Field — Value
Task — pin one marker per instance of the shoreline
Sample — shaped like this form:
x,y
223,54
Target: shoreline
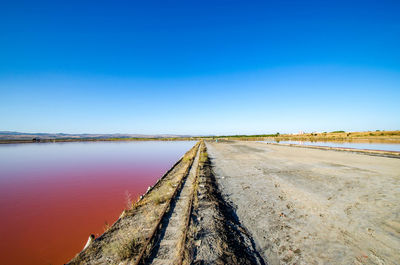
x,y
126,238
95,140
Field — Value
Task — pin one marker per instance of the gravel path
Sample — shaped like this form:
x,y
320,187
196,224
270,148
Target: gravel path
x,y
308,206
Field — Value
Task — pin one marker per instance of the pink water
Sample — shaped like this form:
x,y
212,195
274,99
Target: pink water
x,y
54,195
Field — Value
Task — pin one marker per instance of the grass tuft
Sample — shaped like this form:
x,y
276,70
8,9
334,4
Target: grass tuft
x,y
122,248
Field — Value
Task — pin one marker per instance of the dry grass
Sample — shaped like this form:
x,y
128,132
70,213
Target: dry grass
x,y
128,200
159,199
343,136
124,247
203,157
107,226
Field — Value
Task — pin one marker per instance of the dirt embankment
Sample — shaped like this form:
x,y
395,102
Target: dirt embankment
x,y
308,206
127,238
215,235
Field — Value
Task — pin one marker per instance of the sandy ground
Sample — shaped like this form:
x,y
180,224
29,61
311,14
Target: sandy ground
x,y
306,206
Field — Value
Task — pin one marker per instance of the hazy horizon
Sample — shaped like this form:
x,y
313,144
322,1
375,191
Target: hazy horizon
x,y
178,135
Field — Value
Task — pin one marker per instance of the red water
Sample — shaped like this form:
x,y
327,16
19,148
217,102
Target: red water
x,y
53,196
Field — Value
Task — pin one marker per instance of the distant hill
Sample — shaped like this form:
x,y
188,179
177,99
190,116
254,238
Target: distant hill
x,y
10,135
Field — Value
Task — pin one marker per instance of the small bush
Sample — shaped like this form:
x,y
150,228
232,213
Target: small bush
x,y
123,248
158,199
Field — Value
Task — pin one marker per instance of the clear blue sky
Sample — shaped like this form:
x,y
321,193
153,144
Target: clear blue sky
x,y
199,67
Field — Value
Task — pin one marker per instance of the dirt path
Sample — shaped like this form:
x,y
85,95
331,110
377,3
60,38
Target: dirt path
x,y
169,243
309,206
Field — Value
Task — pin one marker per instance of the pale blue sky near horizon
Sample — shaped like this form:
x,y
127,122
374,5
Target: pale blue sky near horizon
x,y
178,67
